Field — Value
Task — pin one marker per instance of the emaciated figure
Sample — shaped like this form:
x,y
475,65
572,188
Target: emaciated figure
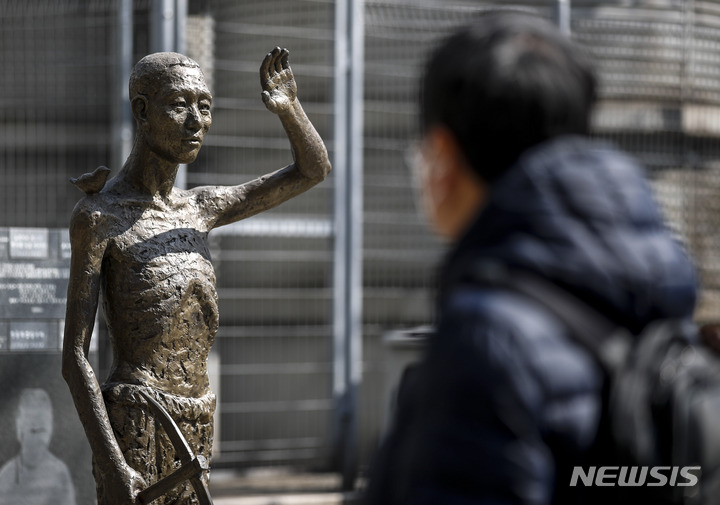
x,y
143,243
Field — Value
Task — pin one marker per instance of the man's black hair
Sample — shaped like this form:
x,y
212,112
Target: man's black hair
x,y
503,84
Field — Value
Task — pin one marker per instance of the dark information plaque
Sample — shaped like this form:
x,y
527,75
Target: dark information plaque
x,y
34,271
44,455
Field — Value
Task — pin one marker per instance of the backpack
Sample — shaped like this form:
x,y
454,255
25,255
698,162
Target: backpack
x,y
662,404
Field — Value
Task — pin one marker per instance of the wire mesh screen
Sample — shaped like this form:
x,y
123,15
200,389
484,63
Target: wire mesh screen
x,y
659,72
54,113
274,270
400,251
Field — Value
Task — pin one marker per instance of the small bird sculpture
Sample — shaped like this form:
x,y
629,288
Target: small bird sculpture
x,y
92,182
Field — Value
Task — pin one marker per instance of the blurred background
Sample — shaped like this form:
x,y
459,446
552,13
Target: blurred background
x,y
321,298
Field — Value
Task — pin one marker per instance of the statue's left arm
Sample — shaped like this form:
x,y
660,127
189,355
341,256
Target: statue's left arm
x,y
88,240
311,164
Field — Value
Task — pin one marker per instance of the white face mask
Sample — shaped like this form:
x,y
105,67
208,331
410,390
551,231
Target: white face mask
x,y
414,161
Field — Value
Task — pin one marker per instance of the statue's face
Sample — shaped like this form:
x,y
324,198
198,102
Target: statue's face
x,y
178,115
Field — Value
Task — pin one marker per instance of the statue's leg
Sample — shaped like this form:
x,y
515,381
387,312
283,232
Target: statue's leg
x,y
199,435
135,434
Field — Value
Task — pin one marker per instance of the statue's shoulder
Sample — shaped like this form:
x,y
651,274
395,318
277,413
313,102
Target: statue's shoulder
x,y
95,212
204,193
101,200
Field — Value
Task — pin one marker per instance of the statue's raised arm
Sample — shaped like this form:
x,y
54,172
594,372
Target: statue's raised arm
x,y
310,159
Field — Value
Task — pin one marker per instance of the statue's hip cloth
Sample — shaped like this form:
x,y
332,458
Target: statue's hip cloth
x,y
143,441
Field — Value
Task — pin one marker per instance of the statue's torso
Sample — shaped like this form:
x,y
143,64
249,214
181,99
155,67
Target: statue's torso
x,y
159,296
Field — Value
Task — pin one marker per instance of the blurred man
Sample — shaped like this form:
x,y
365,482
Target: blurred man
x,y
35,476
505,404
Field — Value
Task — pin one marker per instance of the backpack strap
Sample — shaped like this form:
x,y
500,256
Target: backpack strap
x,y
605,340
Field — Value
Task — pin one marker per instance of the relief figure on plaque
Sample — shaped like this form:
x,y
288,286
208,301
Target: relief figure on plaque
x,y
140,246
35,476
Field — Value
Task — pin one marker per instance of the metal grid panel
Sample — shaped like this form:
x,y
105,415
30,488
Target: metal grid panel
x,y
274,270
54,114
400,252
659,71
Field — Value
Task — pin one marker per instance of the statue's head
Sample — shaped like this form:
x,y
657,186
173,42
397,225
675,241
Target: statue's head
x,y
171,105
150,74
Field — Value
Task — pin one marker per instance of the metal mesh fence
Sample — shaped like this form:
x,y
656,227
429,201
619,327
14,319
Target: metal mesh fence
x,y
660,91
53,111
274,270
400,252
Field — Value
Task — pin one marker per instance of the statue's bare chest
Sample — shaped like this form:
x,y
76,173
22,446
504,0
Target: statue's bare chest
x,y
144,233
155,248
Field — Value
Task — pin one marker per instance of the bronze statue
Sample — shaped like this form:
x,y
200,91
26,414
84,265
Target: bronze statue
x,y
143,243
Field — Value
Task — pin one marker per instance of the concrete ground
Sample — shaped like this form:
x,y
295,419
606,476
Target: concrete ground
x,y
278,486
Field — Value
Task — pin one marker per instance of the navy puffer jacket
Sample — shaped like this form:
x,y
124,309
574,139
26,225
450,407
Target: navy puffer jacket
x,y
504,404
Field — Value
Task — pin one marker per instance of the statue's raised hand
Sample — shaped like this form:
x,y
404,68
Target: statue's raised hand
x,y
278,81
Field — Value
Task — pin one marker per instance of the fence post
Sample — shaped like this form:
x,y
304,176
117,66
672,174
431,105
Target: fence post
x,y
348,211
563,17
122,121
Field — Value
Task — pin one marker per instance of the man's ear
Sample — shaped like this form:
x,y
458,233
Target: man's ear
x,y
456,193
140,108
449,159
